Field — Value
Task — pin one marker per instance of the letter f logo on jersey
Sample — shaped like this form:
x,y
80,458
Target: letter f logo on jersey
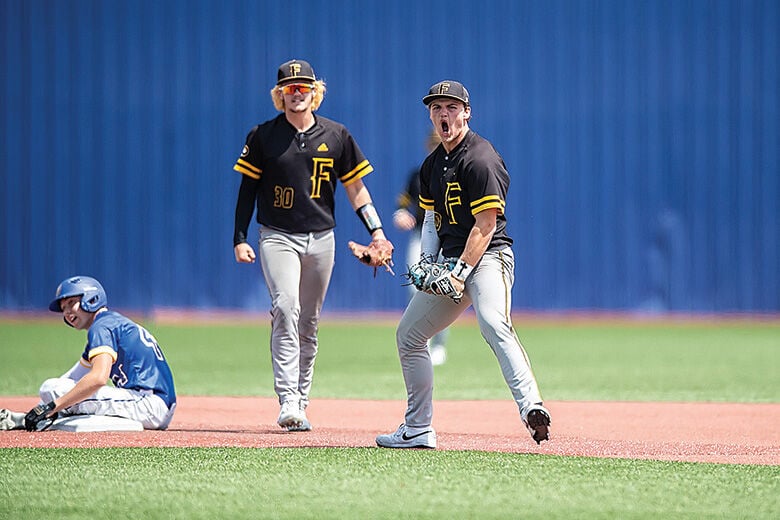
x,y
452,199
320,174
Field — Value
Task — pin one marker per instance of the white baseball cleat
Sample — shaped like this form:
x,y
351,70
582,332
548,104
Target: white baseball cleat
x,y
11,420
290,415
304,426
537,420
405,437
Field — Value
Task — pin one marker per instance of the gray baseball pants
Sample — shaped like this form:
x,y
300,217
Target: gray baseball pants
x,y
297,268
412,257
489,290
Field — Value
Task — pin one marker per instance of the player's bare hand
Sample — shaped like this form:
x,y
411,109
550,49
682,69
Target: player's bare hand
x,y
244,253
404,220
378,253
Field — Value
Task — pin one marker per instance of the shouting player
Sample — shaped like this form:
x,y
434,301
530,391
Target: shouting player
x,y
463,187
117,349
290,168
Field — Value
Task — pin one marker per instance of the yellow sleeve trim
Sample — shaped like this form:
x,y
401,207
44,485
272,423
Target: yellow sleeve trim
x,y
358,172
489,202
249,166
102,350
248,169
403,200
426,204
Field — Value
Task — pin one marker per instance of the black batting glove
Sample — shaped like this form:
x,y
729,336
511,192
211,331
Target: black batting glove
x,y
37,415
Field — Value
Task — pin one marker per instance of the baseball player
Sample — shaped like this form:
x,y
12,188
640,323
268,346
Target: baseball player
x,y
117,349
291,166
409,217
463,187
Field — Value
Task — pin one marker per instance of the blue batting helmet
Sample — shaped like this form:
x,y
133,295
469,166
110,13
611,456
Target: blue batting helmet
x,y
93,296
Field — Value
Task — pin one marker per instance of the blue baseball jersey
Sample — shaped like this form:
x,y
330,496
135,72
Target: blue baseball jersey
x,y
139,363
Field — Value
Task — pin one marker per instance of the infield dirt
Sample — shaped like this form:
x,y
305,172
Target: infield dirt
x,y
696,432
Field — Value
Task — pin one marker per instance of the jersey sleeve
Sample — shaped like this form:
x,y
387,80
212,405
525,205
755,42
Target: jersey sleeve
x,y
488,182
408,198
355,166
100,340
426,198
250,157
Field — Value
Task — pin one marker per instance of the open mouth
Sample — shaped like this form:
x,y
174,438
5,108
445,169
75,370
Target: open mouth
x,y
445,127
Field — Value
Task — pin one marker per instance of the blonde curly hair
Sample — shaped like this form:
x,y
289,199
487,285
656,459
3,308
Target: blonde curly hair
x,y
319,92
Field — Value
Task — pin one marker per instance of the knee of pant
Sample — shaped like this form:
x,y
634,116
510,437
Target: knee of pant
x,y
494,325
408,339
285,309
55,387
307,328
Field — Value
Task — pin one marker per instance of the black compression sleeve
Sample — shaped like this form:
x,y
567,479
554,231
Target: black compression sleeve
x,y
245,208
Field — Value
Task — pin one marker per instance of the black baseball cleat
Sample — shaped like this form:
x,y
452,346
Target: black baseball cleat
x,y
538,423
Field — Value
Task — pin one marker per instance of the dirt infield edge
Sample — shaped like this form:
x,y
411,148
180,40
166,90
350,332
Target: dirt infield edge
x,y
693,432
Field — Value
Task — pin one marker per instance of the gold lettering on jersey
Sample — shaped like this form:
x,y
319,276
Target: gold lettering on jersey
x,y
437,220
295,68
452,199
320,173
283,197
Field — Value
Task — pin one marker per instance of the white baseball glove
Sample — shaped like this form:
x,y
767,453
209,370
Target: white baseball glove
x,y
435,278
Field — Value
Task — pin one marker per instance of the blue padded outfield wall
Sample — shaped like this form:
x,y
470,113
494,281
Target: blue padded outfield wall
x,y
641,137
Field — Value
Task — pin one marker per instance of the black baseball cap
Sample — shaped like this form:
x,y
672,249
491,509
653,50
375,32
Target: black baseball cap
x,y
447,89
295,70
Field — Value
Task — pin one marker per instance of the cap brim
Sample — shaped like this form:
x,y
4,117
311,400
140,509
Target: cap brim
x,y
55,306
427,100
299,79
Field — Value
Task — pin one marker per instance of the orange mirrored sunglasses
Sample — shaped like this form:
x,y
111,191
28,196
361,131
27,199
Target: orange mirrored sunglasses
x,y
291,88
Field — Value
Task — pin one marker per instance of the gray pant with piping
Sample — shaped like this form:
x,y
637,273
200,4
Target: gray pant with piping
x,y
488,289
297,268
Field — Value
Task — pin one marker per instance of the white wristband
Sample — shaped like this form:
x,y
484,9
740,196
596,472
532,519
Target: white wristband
x,y
462,270
369,217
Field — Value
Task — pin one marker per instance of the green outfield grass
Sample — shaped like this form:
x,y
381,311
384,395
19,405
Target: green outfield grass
x,y
632,361
735,362
370,483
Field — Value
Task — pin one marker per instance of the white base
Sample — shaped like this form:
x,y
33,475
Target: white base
x,y
96,423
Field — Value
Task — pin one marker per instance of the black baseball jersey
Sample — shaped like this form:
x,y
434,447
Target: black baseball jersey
x,y
460,184
294,175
